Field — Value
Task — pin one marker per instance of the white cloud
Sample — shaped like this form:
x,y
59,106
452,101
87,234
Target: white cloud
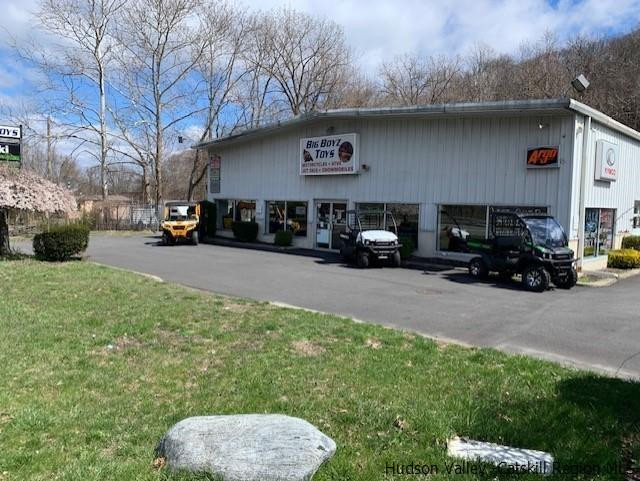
x,y
380,29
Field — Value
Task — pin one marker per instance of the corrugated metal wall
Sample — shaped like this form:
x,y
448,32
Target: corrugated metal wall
x,y
619,195
443,161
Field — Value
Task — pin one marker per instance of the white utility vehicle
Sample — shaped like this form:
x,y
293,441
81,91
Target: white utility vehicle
x,y
371,236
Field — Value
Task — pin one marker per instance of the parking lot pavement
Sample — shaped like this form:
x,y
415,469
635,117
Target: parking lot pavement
x,y
594,328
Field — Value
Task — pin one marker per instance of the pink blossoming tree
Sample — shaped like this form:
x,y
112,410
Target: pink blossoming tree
x,y
24,190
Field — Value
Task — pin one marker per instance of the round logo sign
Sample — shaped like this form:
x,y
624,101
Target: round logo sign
x,y
611,157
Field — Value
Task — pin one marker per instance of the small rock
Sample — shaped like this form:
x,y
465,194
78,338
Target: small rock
x,y
251,447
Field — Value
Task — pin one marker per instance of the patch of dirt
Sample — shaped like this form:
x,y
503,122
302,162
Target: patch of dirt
x,y
159,463
230,306
630,450
373,343
247,345
307,348
399,423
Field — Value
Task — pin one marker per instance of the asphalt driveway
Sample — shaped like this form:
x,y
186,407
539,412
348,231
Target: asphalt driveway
x,y
594,328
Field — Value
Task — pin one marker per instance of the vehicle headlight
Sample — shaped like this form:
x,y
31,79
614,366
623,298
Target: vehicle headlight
x,y
547,255
367,242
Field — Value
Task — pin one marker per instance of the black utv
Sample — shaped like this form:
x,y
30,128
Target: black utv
x,y
534,246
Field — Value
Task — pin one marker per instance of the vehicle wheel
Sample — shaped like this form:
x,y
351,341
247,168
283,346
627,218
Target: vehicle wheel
x,y
536,278
165,239
477,268
194,238
396,259
568,282
363,260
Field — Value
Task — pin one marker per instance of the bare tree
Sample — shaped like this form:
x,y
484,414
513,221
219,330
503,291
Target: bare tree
x,y
160,46
83,52
220,70
305,57
413,80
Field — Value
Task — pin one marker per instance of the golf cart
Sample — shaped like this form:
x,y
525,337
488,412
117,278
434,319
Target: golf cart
x,y
370,236
181,221
532,245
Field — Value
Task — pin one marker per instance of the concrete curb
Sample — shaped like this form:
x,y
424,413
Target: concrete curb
x,y
607,278
143,274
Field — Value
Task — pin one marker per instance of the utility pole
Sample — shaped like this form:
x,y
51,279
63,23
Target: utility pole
x,y
49,151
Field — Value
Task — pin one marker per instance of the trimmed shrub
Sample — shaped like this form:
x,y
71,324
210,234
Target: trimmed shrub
x,y
61,243
624,259
283,238
245,231
631,242
208,216
407,247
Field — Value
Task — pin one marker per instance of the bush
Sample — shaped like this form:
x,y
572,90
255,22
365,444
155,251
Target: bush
x,y
283,238
245,231
407,248
208,216
60,243
631,242
624,259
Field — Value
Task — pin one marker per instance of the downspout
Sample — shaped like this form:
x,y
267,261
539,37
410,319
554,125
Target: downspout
x,y
586,130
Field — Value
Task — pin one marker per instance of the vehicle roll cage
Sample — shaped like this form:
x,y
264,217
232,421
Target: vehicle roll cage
x,y
370,220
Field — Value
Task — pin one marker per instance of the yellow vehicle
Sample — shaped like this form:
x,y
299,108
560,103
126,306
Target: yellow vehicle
x,y
181,221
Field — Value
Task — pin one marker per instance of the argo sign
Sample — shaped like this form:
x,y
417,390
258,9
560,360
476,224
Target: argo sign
x,y
607,161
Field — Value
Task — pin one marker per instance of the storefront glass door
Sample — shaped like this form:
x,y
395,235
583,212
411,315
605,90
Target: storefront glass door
x,y
331,220
598,231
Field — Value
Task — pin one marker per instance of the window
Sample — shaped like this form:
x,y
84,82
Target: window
x,y
636,214
297,218
598,231
458,223
245,211
287,215
229,211
461,222
224,212
406,216
276,212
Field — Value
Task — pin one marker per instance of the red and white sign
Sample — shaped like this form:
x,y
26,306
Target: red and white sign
x,y
607,161
329,155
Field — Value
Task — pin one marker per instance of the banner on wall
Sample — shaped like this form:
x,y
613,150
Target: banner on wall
x,y
330,155
215,162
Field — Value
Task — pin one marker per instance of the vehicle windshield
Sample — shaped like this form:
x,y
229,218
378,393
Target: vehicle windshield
x,y
546,231
180,213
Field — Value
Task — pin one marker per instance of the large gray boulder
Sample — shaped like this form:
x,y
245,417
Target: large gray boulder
x,y
249,447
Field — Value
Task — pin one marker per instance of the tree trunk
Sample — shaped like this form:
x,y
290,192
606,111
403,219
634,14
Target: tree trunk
x,y
4,233
104,188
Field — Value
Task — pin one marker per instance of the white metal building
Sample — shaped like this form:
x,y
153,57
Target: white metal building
x,y
430,165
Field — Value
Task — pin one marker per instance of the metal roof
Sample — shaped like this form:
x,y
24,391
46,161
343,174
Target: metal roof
x,y
508,107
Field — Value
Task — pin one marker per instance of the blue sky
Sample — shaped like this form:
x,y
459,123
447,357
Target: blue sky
x,y
380,29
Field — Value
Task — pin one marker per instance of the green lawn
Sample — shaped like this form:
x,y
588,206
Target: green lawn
x,y
96,364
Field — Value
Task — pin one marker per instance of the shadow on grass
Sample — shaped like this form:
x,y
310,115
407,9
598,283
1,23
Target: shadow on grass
x,y
16,256
590,423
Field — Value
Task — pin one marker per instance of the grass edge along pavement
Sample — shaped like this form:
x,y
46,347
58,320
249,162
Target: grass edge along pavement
x,y
96,364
